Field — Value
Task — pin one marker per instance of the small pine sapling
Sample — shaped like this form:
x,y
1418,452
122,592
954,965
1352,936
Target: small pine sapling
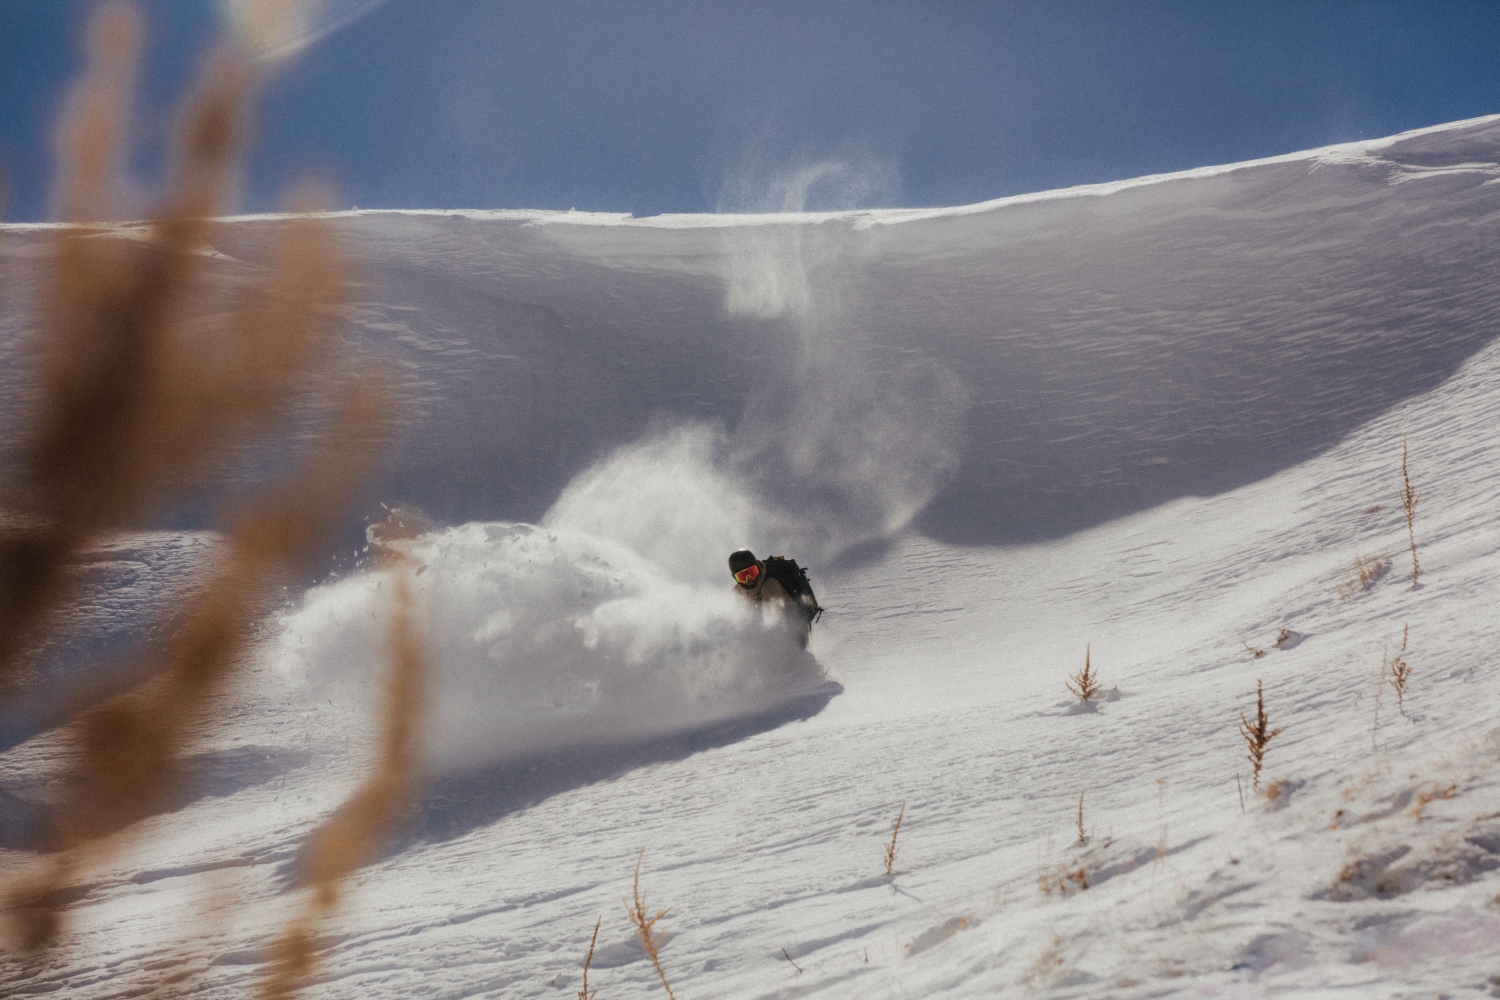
x,y
1398,672
1257,735
1085,684
645,926
1409,498
584,993
890,849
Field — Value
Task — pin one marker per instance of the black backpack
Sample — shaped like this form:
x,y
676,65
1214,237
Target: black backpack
x,y
794,581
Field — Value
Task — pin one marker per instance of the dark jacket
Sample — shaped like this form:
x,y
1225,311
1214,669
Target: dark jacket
x,y
768,589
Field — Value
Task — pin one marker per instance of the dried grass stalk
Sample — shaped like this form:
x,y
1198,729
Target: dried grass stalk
x,y
1362,574
1064,880
644,923
1257,735
1409,498
1398,671
131,408
890,849
130,404
584,993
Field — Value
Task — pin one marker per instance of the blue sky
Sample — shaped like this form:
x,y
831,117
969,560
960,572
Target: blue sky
x,y
650,106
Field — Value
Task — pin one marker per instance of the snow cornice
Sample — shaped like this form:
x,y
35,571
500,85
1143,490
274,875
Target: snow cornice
x,y
1342,153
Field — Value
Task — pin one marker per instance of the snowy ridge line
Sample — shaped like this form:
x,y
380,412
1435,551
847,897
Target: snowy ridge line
x,y
1344,152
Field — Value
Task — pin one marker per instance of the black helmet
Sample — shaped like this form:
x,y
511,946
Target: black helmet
x,y
745,567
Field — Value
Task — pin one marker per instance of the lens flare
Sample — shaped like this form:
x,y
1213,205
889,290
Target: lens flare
x,y
271,30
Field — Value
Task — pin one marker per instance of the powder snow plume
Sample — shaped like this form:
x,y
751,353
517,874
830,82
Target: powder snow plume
x,y
606,626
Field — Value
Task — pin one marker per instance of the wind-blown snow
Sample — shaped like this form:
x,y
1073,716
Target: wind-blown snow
x,y
553,639
608,626
672,499
1157,418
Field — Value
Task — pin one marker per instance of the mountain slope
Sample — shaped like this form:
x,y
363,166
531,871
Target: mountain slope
x,y
1173,412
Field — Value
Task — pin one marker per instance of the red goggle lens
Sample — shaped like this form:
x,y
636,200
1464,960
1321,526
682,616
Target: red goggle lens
x,y
748,575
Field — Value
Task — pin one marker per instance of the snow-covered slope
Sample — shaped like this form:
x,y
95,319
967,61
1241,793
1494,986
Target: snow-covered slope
x,y
1158,418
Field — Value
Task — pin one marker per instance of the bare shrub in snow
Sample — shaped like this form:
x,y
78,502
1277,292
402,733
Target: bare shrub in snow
x,y
1255,654
1063,880
1450,858
1362,574
1085,684
1048,966
1409,498
890,849
1257,736
644,923
1426,796
1274,790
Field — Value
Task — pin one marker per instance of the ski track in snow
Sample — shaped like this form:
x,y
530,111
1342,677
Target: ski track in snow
x,y
1197,386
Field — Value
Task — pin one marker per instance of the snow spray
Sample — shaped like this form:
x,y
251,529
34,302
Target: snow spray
x,y
548,639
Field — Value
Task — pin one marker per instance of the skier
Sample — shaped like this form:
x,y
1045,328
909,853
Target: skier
x,y
777,579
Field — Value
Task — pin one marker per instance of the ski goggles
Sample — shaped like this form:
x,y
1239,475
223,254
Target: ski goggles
x,y
748,575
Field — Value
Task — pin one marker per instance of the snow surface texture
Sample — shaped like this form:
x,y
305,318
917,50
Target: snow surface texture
x,y
1160,417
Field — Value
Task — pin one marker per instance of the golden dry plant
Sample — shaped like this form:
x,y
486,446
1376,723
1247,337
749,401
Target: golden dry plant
x,y
1082,837
1062,880
1398,672
584,993
1048,967
1257,735
890,849
1085,684
1255,654
644,923
1362,574
1409,498
136,403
